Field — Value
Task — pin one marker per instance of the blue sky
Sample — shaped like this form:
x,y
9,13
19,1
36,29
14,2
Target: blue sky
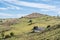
x,y
18,8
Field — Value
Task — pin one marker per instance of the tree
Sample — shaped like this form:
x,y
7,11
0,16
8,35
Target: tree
x,y
35,27
47,39
7,36
11,34
58,26
48,26
30,21
1,21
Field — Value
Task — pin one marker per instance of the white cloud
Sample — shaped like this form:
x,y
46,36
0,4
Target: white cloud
x,y
11,7
46,0
58,11
5,14
34,5
44,10
10,15
20,15
14,7
3,8
29,4
11,0
43,0
46,7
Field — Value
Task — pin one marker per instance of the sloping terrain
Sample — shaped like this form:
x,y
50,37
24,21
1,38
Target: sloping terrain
x,y
48,35
22,29
34,15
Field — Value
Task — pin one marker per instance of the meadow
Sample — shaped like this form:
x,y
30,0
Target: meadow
x,y
22,29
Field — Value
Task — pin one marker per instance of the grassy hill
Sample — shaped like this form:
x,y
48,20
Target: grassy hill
x,y
22,29
34,15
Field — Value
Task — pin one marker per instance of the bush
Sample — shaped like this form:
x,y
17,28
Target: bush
x,y
47,39
30,21
48,26
11,34
58,26
7,36
35,27
57,39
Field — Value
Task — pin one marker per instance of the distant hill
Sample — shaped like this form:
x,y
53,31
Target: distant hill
x,y
35,15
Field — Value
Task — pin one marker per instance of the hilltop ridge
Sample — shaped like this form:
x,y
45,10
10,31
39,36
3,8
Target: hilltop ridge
x,y
35,15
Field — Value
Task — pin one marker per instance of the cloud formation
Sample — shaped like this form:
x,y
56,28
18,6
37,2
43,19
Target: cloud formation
x,y
3,8
5,14
11,7
29,4
36,5
14,7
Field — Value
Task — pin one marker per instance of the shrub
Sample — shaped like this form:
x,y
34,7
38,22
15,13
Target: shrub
x,y
7,36
11,34
58,26
35,27
47,39
57,39
30,21
48,26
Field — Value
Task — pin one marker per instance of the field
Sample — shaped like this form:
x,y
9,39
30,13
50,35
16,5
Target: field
x,y
22,29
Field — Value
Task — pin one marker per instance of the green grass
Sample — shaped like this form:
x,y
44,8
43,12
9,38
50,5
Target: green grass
x,y
23,28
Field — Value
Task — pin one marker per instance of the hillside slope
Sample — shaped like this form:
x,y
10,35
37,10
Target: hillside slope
x,y
34,15
23,27
49,35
